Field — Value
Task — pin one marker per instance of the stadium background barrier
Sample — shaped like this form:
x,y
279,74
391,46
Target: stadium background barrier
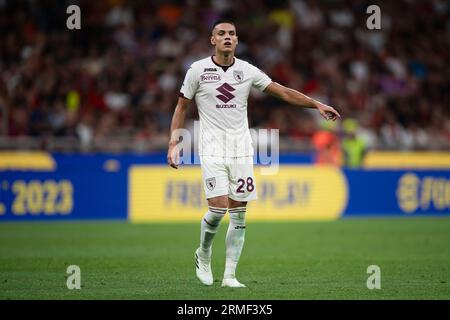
x,y
141,188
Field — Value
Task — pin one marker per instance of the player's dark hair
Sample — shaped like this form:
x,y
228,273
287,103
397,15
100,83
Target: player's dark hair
x,y
222,21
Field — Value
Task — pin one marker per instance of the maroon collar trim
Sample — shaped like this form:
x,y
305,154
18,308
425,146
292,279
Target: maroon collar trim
x,y
225,68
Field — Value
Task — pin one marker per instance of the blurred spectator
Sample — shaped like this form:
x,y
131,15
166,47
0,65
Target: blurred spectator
x,y
327,145
127,63
85,130
354,147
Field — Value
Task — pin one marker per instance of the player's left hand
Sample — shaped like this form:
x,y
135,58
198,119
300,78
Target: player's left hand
x,y
173,156
329,113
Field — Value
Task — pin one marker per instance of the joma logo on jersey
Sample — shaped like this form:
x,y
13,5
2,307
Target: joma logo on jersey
x,y
225,91
210,77
210,70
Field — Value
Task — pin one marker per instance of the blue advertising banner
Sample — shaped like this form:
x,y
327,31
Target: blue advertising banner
x,y
74,190
134,187
398,192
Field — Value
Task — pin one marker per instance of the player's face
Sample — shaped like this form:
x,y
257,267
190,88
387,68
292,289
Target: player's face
x,y
224,38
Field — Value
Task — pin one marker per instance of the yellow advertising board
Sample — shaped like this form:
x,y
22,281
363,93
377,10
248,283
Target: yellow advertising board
x,y
27,160
407,160
159,193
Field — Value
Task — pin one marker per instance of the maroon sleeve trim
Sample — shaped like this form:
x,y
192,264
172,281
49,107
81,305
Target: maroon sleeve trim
x,y
181,95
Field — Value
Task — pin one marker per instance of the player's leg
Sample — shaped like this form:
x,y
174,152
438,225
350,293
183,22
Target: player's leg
x,y
215,182
217,208
241,190
234,241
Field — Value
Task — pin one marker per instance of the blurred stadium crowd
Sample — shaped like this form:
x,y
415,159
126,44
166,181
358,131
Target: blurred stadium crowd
x,y
113,85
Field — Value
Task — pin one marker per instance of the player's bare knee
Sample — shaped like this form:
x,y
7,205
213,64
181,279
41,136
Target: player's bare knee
x,y
234,204
218,202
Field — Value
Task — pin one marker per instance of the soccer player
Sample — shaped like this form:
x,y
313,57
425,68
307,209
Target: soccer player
x,y
220,85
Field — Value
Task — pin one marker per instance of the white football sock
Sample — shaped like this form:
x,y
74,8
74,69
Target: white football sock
x,y
209,227
234,240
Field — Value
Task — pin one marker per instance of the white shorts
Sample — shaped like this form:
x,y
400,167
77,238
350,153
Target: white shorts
x,y
229,176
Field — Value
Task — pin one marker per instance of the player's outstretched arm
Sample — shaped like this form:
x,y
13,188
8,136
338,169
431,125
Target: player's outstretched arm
x,y
179,115
294,97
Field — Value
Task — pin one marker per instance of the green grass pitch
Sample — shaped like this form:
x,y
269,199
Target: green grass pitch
x,y
294,260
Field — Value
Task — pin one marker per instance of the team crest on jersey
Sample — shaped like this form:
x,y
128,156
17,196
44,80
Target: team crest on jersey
x,y
238,75
210,183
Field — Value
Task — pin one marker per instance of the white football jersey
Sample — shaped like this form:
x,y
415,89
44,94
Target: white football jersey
x,y
221,95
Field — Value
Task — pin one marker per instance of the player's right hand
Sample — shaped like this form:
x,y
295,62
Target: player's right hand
x,y
173,156
329,113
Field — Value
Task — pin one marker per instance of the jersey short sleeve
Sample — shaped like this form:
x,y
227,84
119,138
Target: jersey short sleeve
x,y
260,79
190,84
